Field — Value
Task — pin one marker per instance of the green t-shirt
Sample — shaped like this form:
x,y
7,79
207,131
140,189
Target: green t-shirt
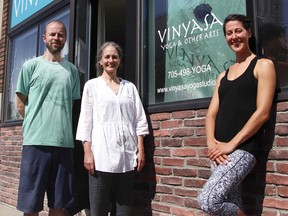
x,y
51,87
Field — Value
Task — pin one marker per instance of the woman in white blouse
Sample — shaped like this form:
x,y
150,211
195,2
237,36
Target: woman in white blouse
x,y
111,125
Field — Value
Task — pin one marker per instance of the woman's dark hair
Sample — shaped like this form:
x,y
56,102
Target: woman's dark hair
x,y
246,22
100,53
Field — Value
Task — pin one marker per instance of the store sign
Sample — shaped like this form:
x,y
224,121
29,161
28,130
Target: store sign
x,y
22,9
193,47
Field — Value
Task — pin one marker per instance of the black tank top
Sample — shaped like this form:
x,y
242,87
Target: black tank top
x,y
237,104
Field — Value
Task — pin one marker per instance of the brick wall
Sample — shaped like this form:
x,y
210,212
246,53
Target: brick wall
x,y
10,157
3,44
178,161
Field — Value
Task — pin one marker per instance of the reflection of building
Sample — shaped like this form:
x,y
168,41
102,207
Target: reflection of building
x,y
177,165
274,12
270,9
273,30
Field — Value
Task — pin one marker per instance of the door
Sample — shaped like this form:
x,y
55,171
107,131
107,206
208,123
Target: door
x,y
117,22
111,25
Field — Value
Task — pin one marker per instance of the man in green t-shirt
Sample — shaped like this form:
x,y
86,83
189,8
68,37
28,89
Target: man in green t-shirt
x,y
46,89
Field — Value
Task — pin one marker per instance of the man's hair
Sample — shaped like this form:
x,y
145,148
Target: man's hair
x,y
59,22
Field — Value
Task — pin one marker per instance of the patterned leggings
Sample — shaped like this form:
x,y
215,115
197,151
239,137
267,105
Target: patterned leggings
x,y
221,194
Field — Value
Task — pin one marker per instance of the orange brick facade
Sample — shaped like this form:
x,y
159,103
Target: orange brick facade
x,y
176,163
3,44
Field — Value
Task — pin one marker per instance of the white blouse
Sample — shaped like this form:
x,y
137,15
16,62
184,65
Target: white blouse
x,y
112,122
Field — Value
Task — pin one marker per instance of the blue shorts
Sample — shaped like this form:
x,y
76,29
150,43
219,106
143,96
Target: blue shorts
x,y
45,169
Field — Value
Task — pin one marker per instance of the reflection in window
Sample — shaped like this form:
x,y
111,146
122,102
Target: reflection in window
x,y
24,47
273,34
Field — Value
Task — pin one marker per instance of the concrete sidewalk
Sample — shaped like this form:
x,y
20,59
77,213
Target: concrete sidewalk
x,y
7,210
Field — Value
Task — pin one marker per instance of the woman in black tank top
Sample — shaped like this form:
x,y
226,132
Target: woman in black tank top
x,y
240,105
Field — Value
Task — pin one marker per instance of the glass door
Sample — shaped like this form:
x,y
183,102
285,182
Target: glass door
x,y
117,22
107,20
112,24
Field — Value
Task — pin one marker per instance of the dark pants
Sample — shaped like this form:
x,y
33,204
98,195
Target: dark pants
x,y
111,192
45,169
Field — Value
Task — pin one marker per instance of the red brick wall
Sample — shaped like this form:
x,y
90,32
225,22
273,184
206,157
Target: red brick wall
x,y
3,44
178,161
10,157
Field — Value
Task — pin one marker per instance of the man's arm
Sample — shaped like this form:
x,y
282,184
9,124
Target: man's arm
x,y
20,103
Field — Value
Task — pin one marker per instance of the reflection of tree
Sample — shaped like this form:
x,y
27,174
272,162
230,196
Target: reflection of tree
x,y
12,112
15,69
23,49
160,77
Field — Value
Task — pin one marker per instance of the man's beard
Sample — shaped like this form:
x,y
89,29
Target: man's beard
x,y
53,50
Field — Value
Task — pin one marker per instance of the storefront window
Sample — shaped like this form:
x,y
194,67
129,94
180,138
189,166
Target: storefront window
x,y
24,47
272,19
187,49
